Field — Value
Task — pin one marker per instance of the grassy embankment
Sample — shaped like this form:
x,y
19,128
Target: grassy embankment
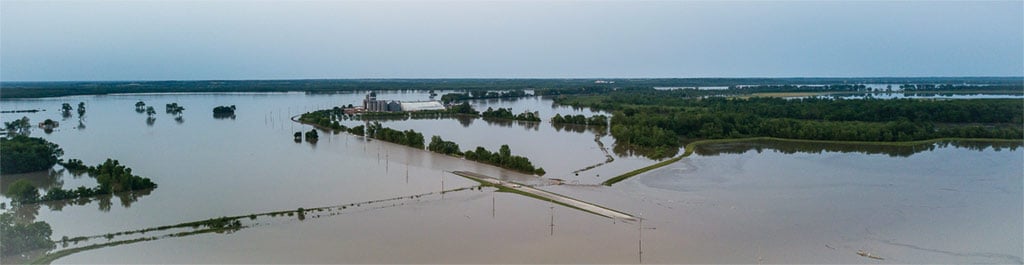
x,y
692,146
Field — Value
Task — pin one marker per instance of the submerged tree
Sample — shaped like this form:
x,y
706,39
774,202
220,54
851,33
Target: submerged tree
x,y
81,109
140,106
174,108
65,110
221,112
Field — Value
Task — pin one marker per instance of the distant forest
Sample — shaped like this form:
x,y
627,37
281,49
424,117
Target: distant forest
x,y
544,86
657,122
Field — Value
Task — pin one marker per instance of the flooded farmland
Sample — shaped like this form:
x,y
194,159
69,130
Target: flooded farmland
x,y
753,202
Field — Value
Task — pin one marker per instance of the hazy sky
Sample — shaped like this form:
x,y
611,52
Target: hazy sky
x,y
179,40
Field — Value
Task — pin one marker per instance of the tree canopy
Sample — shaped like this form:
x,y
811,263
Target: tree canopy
x,y
20,154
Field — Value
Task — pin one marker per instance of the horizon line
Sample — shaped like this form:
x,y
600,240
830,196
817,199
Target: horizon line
x,y
504,78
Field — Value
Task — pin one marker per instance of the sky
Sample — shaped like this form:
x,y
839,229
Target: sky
x,y
204,40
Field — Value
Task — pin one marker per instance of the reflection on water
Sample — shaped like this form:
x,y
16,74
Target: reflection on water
x,y
465,121
629,150
40,179
791,147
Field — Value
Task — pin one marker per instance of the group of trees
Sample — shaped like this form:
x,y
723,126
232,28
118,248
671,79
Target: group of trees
x,y
174,108
503,113
114,177
221,112
327,119
503,158
111,176
439,145
874,110
357,130
20,154
408,137
596,120
312,136
464,108
74,165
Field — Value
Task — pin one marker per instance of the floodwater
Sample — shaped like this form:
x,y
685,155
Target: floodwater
x,y
734,203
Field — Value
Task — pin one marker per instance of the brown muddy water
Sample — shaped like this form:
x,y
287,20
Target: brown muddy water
x,y
762,202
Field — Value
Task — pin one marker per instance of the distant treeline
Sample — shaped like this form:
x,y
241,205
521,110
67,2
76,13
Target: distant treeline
x,y
658,121
452,97
541,86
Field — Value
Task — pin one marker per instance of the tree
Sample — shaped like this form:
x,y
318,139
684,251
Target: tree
x,y
312,136
505,151
140,106
81,109
65,110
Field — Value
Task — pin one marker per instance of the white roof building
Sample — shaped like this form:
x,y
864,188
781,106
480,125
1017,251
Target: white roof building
x,y
421,105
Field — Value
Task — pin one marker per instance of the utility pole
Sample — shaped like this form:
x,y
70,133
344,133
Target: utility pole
x,y
640,243
552,220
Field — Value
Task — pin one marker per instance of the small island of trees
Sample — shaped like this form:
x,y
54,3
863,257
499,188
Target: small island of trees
x,y
503,158
503,113
222,112
173,109
596,120
140,106
111,176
